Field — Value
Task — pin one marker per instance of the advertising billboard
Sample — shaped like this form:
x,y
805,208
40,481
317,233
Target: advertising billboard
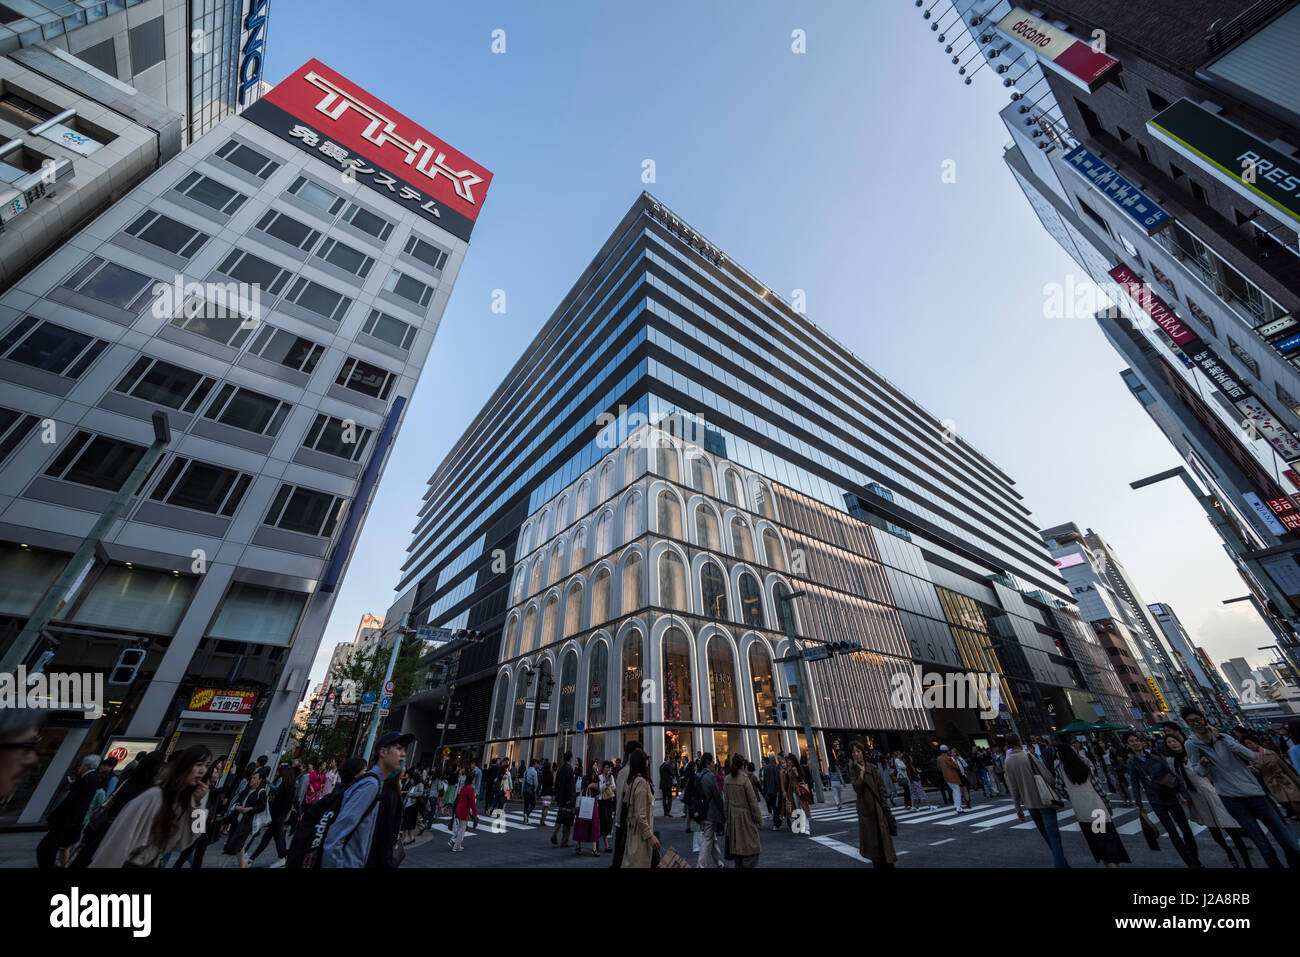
x,y
1057,50
1142,210
1155,307
218,701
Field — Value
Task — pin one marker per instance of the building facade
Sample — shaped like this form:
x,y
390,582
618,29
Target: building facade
x,y
274,290
676,452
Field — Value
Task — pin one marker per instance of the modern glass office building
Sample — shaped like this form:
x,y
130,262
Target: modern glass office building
x,y
680,474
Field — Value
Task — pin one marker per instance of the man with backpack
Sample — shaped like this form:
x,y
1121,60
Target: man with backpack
x,y
709,811
304,849
347,842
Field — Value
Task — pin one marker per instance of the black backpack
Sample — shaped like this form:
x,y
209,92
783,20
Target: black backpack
x,y
697,800
309,836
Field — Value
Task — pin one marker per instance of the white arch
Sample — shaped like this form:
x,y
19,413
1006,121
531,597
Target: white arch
x,y
661,627
656,552
693,525
584,606
631,499
706,633
694,454
655,490
755,483
769,599
729,469
697,566
736,571
623,559
761,528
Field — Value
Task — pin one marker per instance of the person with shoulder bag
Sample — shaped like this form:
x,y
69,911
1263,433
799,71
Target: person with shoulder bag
x,y
876,824
1153,775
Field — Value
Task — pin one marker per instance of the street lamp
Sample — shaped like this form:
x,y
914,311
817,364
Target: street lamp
x,y
796,656
69,580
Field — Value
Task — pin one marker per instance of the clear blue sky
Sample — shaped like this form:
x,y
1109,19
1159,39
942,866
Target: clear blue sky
x,y
818,171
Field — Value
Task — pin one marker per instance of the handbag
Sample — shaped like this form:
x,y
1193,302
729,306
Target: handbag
x,y
396,853
564,815
891,822
586,807
805,795
1046,793
1150,831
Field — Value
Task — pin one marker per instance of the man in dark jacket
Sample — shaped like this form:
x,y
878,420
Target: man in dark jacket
x,y
666,785
772,789
715,816
65,820
566,794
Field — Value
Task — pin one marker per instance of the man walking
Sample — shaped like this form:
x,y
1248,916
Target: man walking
x,y
666,785
531,783
1021,768
566,793
350,839
951,776
65,820
715,814
772,789
1229,763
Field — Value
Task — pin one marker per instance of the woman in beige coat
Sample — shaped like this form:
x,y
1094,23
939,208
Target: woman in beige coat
x,y
161,820
874,840
1280,779
744,819
641,840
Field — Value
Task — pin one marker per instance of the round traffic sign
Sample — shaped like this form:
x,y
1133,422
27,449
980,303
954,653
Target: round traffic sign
x,y
389,687
368,698
581,725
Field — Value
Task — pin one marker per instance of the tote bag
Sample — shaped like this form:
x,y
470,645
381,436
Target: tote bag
x,y
586,807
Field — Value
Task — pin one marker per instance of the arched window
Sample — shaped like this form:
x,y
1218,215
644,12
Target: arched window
x,y
526,540
597,693
535,585
633,589
772,549
607,481
677,676
528,640
573,610
670,515
702,476
633,517
521,579
713,588
562,513
632,660
544,527
549,615
742,542
499,709
557,564
632,464
604,534
672,581
763,500
751,600
722,681
760,670
600,597
731,488
666,460
582,503
568,689
706,528
511,642
521,699
784,609
578,549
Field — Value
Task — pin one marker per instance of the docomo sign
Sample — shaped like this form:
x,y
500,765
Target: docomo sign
x,y
1075,60
250,66
1152,305
354,119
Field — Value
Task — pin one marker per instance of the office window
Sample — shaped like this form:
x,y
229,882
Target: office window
x,y
247,159
214,321
1244,357
391,330
1124,135
288,230
339,437
167,233
368,222
14,427
1157,101
249,410
1095,216
21,111
1200,314
209,192
408,288
289,350
197,485
1177,171
102,56
108,282
1164,280
18,162
426,252
1142,152
50,347
165,384
1287,399
319,299
317,195
364,378
254,270
345,257
298,509
97,461
147,46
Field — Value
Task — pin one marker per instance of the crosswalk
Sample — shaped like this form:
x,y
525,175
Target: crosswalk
x,y
984,817
499,822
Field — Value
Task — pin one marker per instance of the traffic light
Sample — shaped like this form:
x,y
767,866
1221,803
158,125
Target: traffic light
x,y
784,712
773,716
128,664
844,647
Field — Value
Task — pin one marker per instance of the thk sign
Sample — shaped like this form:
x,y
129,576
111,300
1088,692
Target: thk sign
x,y
325,114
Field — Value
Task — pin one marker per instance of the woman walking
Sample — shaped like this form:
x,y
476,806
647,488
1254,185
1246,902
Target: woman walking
x,y
1091,809
139,779
281,803
158,821
641,840
914,784
252,812
607,800
1279,778
1204,806
744,818
1152,774
875,841
586,824
411,799
548,788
